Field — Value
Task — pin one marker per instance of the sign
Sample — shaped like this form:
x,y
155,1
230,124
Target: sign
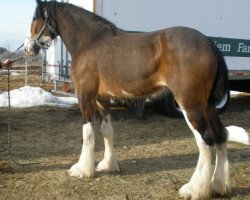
x,y
232,47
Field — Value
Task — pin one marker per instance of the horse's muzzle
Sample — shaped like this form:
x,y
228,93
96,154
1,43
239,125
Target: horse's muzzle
x,y
30,47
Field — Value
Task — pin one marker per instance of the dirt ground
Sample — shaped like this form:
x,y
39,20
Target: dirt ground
x,y
156,154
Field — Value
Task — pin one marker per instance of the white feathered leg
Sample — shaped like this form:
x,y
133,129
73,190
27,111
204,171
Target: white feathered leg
x,y
85,165
221,177
199,187
109,162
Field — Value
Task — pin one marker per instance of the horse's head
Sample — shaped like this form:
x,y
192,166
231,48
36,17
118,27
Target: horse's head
x,y
42,31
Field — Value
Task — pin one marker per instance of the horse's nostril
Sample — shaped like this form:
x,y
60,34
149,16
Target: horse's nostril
x,y
30,49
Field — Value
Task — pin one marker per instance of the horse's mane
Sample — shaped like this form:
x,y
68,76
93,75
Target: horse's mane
x,y
95,17
53,6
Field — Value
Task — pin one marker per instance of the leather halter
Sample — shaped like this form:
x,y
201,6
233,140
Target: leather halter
x,y
50,27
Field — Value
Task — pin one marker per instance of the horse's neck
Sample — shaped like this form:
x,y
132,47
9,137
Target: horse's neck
x,y
76,33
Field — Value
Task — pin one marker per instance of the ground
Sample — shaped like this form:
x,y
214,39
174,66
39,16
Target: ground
x,y
156,154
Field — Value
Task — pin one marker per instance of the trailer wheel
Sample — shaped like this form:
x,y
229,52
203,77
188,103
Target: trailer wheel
x,y
168,106
222,105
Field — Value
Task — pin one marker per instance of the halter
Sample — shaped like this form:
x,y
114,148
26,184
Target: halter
x,y
51,28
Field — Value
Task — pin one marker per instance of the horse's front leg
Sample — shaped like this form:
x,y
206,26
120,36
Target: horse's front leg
x,y
109,162
85,165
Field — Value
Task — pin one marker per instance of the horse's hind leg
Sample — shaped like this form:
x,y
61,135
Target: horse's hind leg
x,y
221,179
215,129
109,162
199,187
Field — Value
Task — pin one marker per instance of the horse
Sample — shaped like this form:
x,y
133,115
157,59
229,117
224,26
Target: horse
x,y
108,62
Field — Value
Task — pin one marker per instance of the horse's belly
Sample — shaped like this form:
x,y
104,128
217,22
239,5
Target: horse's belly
x,y
131,90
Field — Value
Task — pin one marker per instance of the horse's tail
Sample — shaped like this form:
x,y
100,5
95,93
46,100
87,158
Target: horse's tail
x,y
221,85
237,134
221,88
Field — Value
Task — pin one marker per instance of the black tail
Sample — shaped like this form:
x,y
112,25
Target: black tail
x,y
221,84
215,132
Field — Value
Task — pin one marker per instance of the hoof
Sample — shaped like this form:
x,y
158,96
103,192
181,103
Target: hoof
x,y
220,188
186,192
108,166
194,192
78,171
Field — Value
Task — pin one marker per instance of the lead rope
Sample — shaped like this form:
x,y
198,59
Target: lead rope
x,y
10,123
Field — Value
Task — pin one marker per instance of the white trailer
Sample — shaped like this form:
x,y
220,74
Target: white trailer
x,y
224,21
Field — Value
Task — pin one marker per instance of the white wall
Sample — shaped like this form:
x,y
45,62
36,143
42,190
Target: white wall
x,y
87,4
226,18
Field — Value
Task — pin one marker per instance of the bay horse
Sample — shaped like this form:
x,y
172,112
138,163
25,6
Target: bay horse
x,y
108,62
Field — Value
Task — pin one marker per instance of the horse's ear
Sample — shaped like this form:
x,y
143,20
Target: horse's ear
x,y
39,9
38,2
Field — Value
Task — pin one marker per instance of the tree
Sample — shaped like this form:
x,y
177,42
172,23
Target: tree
x,y
2,50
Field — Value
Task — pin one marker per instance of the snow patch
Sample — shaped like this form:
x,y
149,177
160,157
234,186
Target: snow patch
x,y
34,96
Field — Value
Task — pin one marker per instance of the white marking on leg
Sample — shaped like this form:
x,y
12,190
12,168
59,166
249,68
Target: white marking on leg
x,y
109,162
199,187
221,177
85,165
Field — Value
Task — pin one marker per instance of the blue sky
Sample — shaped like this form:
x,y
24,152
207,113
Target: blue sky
x,y
15,19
